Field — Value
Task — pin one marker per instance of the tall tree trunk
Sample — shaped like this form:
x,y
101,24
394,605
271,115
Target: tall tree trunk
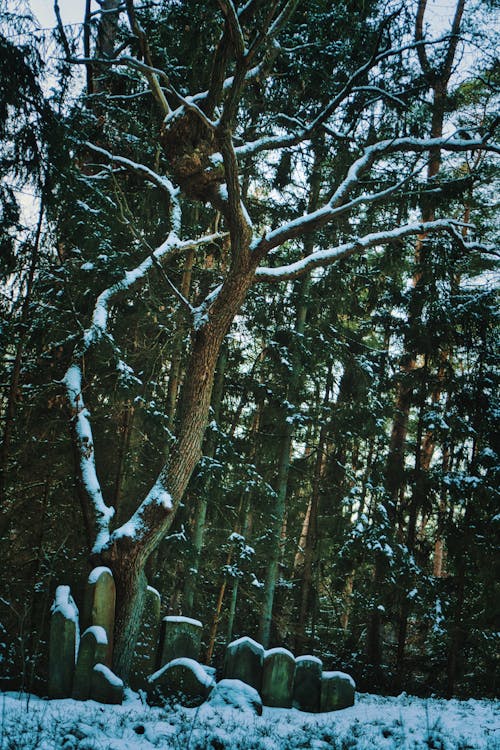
x,y
288,428
438,80
127,555
311,539
201,509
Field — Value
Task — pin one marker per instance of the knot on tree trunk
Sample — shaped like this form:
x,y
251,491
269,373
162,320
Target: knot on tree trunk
x,y
188,143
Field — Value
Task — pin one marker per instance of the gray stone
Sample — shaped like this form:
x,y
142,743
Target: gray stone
x,y
93,650
145,659
64,632
105,686
307,683
236,694
244,661
181,637
337,691
182,680
99,605
277,679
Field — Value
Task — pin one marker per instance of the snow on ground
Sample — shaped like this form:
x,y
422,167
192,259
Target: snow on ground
x,y
374,723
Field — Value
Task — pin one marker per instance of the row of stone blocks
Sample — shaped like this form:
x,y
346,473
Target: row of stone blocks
x,y
280,679
79,667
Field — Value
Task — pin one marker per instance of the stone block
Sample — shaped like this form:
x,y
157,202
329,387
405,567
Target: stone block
x,y
99,605
307,683
244,661
63,643
337,691
278,677
145,659
105,686
93,650
181,637
182,680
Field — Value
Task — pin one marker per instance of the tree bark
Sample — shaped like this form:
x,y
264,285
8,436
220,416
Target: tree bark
x,y
311,540
201,509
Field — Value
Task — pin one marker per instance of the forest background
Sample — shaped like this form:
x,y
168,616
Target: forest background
x,y
249,329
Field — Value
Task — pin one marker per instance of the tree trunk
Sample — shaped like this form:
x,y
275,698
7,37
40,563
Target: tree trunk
x,y
438,81
180,335
127,556
201,509
311,540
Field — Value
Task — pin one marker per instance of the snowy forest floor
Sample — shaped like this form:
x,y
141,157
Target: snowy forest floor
x,y
402,723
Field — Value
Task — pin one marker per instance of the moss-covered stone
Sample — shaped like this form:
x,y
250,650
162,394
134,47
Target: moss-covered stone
x,y
277,679
337,691
181,637
63,643
145,659
93,650
182,680
307,683
105,686
244,661
99,605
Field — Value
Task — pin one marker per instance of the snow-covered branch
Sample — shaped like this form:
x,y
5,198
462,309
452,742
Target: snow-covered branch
x,y
148,174
338,202
84,443
273,142
322,258
101,514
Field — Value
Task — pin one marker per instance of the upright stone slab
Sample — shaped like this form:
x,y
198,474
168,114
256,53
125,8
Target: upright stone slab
x,y
307,683
93,649
181,637
63,643
244,661
105,686
277,678
337,691
182,680
99,605
145,659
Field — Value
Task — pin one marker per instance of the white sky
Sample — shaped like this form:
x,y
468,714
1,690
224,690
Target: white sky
x,y
72,11
438,13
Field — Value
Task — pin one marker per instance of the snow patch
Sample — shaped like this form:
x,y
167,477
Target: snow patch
x,y
341,676
201,675
179,618
110,676
300,659
97,573
99,634
65,604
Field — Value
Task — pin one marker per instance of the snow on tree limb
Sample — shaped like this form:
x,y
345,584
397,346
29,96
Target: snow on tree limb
x,y
158,501
80,416
337,203
323,258
102,513
141,169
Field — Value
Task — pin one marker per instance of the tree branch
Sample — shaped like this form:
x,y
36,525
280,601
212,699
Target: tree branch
x,y
337,203
324,258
